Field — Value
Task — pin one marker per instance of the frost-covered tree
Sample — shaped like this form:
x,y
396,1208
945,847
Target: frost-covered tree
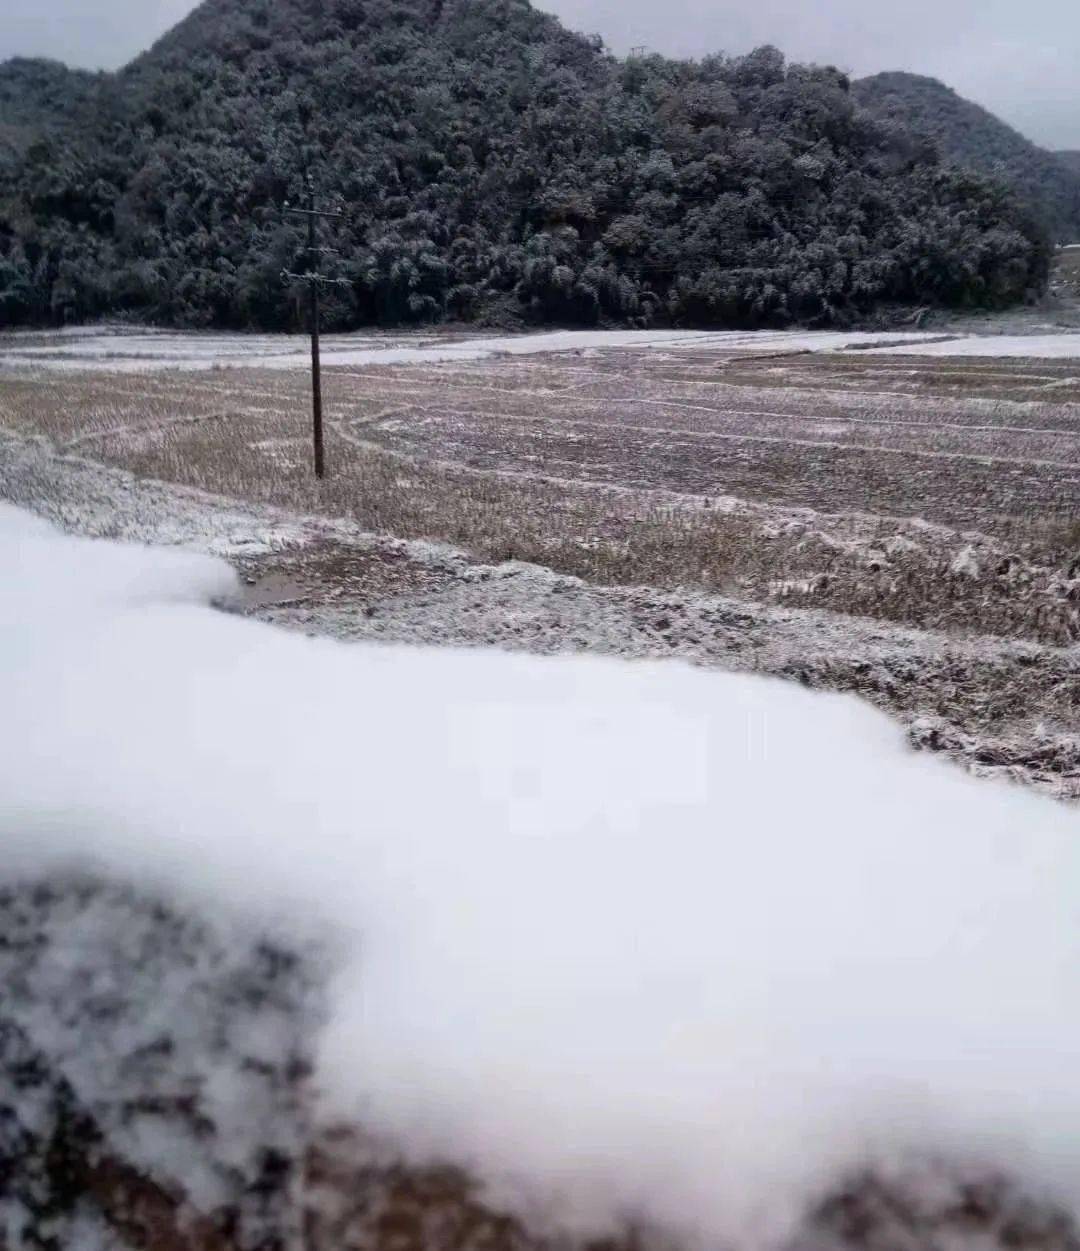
x,y
492,165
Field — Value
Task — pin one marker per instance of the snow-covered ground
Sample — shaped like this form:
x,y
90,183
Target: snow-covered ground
x,y
947,690
123,350
628,939
1038,346
102,348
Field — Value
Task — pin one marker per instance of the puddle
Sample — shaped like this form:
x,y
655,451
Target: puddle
x,y
271,589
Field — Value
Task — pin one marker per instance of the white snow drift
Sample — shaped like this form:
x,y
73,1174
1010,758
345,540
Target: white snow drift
x,y
629,939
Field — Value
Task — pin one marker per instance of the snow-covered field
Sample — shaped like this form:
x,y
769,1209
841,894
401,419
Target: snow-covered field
x,y
102,348
630,941
1004,708
126,350
1036,346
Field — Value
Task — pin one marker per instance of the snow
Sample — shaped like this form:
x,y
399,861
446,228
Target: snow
x,y
121,350
88,498
132,1008
140,351
966,563
1039,346
128,579
626,938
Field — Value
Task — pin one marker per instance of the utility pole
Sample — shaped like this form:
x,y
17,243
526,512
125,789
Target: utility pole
x,y
315,281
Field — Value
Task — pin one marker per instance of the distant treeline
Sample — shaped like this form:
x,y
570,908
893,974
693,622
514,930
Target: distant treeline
x,y
491,165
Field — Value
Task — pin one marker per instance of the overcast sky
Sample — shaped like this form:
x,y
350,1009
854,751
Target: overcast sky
x,y
1020,58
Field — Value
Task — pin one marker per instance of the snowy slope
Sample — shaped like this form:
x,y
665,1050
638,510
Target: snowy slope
x,y
623,937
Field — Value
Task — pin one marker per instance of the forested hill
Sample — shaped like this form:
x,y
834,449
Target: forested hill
x,y
972,137
35,91
36,94
490,165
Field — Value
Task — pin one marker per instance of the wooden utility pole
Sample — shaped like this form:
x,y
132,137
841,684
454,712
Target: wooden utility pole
x,y
315,281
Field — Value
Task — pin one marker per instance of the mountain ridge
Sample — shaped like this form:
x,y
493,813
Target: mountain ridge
x,y
38,94
972,136
493,165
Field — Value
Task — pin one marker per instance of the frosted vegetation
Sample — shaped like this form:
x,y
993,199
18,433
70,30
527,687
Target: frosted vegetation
x,y
491,166
976,139
628,942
